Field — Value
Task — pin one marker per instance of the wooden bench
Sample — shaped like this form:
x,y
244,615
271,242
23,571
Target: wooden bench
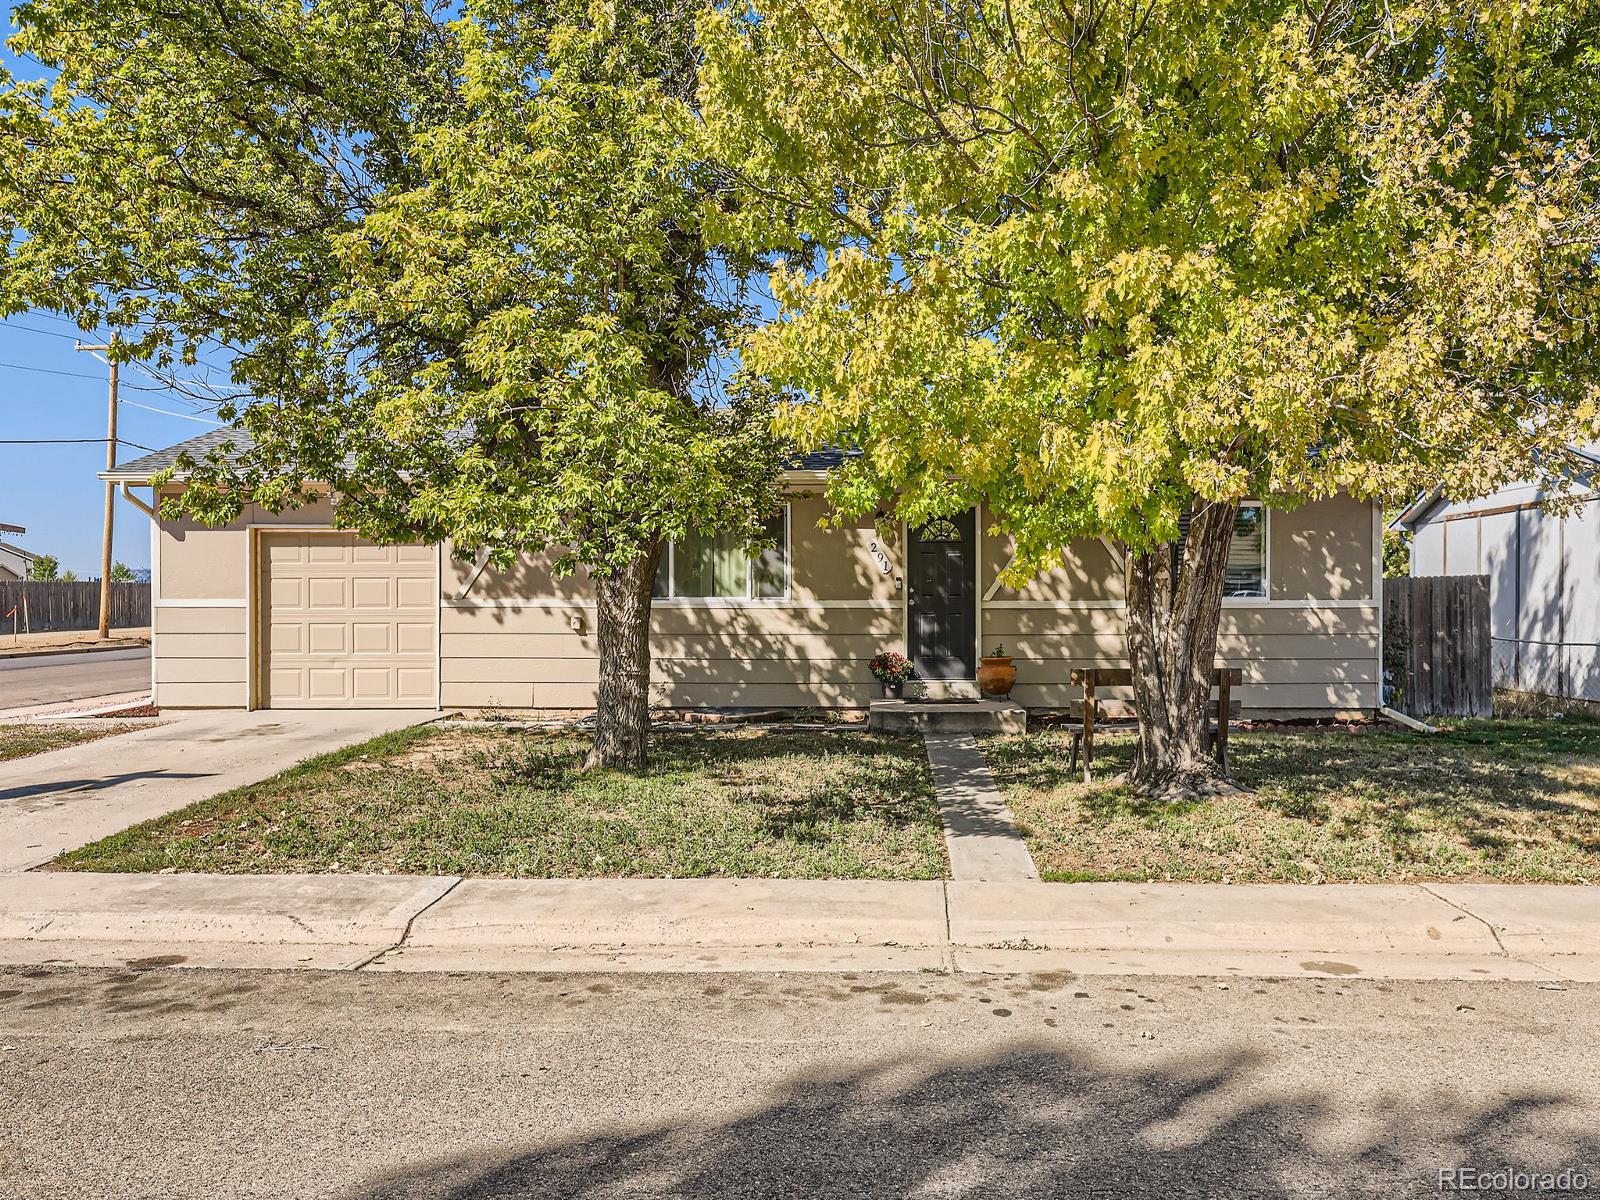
x,y
1093,712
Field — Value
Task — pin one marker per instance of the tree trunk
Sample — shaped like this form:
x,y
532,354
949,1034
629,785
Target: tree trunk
x,y
1174,609
622,624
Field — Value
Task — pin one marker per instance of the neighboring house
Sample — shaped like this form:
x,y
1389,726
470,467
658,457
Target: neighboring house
x,y
1544,576
15,562
282,611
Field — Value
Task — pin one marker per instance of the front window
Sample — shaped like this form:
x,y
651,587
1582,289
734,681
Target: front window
x,y
1247,553
717,566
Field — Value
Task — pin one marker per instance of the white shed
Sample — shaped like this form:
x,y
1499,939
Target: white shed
x,y
1544,576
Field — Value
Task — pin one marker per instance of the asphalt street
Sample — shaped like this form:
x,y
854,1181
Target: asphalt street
x,y
174,1083
57,678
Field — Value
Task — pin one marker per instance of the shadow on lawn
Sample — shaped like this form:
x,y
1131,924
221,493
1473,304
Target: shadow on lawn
x,y
802,782
1479,782
1035,1121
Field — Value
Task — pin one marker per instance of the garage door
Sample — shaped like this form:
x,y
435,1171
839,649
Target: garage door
x,y
345,623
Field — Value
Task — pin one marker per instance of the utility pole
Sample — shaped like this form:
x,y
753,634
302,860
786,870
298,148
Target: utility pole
x,y
111,490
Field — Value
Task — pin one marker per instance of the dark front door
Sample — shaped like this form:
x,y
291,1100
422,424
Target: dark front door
x,y
942,601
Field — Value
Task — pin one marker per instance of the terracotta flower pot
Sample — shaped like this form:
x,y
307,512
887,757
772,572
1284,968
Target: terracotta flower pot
x,y
996,676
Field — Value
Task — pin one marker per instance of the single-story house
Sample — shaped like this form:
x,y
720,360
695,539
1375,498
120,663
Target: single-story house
x,y
1543,571
15,562
283,610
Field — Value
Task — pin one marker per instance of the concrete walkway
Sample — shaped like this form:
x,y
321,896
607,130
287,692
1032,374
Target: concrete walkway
x,y
392,923
67,798
982,838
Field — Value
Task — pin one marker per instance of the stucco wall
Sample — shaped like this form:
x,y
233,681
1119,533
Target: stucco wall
x,y
200,619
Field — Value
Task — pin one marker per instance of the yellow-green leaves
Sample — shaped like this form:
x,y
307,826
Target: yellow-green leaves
x,y
464,256
1096,262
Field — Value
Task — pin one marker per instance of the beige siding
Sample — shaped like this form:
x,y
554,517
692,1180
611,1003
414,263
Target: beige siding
x,y
200,656
828,564
202,564
521,657
1295,659
201,646
1322,551
513,644
810,650
836,564
1298,657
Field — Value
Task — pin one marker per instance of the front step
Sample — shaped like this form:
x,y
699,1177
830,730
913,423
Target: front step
x,y
949,716
941,689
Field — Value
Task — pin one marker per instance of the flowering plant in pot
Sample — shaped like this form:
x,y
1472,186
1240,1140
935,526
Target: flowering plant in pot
x,y
996,674
890,669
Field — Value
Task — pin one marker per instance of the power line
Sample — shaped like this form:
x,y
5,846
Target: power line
x,y
165,413
71,324
49,316
96,378
52,371
73,442
42,332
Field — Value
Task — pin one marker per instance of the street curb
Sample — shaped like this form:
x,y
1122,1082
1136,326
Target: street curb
x,y
68,709
93,648
1544,935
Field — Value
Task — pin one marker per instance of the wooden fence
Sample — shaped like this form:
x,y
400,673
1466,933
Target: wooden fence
x,y
1437,649
76,605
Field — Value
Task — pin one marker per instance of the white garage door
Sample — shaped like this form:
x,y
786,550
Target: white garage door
x,y
345,623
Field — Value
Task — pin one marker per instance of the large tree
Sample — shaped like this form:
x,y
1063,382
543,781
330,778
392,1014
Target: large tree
x,y
456,254
1115,265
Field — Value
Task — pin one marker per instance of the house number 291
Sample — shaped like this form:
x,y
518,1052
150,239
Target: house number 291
x,y
880,557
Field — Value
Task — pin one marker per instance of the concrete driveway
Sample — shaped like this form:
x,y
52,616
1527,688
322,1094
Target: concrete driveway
x,y
56,678
67,798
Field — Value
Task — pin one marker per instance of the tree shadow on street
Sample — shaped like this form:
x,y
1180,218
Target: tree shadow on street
x,y
1032,1122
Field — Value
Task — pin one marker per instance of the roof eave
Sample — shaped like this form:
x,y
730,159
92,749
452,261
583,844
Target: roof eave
x,y
1419,510
143,479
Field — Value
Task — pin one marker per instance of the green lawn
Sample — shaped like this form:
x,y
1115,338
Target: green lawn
x,y
1503,800
35,737
498,803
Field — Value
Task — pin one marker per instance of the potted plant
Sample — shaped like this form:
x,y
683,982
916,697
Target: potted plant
x,y
891,670
996,675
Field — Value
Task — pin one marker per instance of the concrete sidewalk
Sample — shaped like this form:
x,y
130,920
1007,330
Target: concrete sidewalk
x,y
446,924
67,798
980,835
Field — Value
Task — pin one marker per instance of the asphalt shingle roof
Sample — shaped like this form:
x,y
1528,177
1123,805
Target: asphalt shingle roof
x,y
821,460
200,447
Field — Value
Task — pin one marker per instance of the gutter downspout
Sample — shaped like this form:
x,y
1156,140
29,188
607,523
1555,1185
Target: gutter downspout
x,y
1400,718
127,494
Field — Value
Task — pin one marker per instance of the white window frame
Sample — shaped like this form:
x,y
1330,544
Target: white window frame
x,y
749,599
1266,559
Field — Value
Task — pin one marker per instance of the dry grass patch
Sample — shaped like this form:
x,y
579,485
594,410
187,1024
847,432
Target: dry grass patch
x,y
1502,800
487,802
35,737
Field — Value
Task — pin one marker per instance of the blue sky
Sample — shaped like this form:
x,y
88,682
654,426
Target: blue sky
x,y
49,390
52,489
